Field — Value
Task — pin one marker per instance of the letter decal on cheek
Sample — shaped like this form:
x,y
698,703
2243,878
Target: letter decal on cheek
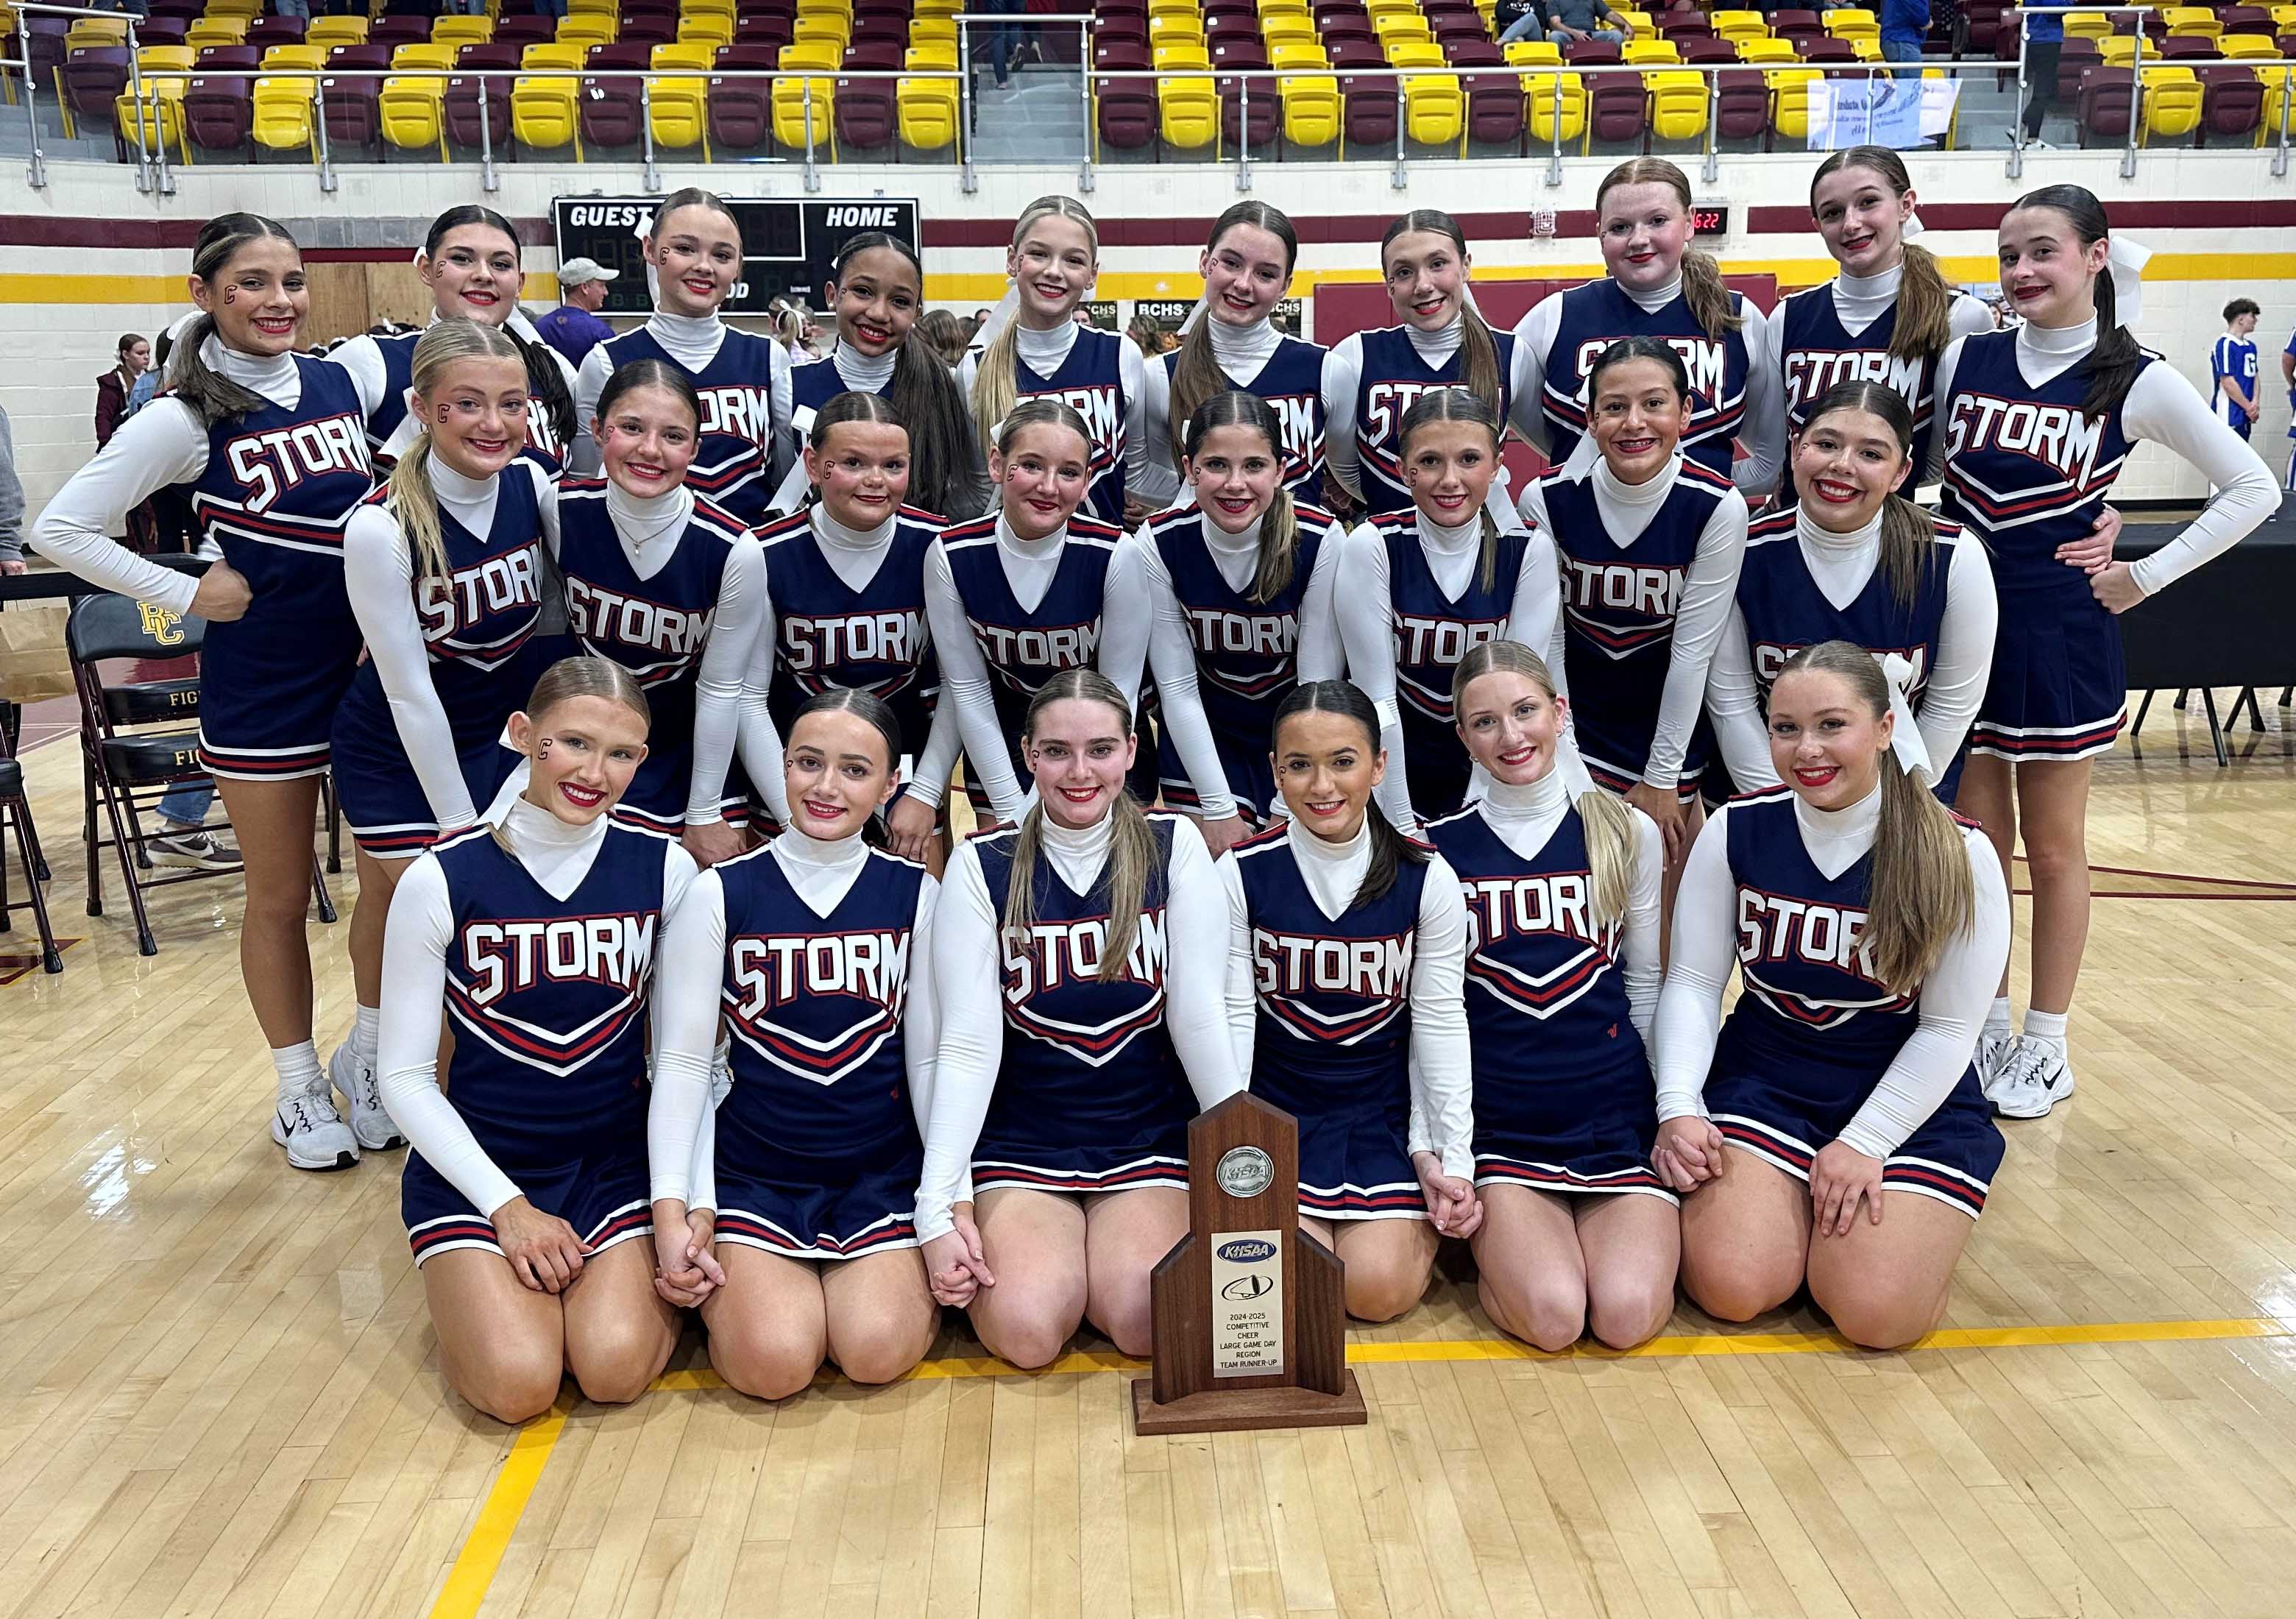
x,y
543,751
231,295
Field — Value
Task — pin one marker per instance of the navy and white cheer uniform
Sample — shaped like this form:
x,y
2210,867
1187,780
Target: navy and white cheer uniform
x,y
546,995
1816,1049
2027,471
1224,662
744,382
1356,1017
1564,1101
1647,572
409,720
1287,372
1383,373
384,367
663,627
1098,374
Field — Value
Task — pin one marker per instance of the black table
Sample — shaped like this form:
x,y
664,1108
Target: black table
x,y
2227,625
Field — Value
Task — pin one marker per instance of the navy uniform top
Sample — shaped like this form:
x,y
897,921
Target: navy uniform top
x,y
1786,611
2024,468
655,627
1811,999
733,462
1091,382
1597,315
1247,651
1547,997
1433,631
1085,1063
548,996
1394,376
1333,995
829,633
279,487
1291,382
478,620
812,385
1024,647
397,355
1817,352
814,1005
1619,604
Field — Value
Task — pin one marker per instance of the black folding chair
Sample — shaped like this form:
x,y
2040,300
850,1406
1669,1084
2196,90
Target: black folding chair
x,y
16,810
127,771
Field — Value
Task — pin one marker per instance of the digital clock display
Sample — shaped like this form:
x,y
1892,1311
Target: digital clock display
x,y
1710,219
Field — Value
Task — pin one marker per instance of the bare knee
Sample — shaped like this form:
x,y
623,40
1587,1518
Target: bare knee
x,y
1874,1317
1625,1312
1738,1287
1126,1320
773,1369
1382,1292
614,1366
1027,1337
883,1358
510,1385
1546,1309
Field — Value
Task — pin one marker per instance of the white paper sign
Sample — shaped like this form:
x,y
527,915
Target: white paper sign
x,y
1247,1304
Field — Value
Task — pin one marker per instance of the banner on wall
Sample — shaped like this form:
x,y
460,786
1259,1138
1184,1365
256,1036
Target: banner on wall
x,y
1101,312
1880,109
787,244
1169,312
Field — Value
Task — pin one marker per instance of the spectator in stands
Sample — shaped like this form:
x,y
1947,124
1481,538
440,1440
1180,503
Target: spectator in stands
x,y
2233,367
1006,40
1518,20
573,328
1572,21
132,360
2045,42
1905,24
12,503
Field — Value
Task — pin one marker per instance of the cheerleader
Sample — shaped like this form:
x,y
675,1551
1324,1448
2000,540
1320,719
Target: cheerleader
x,y
1885,318
1075,1044
1659,286
2037,424
1650,543
1016,598
1869,925
469,261
1562,970
1418,588
272,449
845,606
694,259
876,292
1239,585
444,565
1854,559
1034,346
672,587
525,1197
1232,343
817,949
1374,1062
1371,378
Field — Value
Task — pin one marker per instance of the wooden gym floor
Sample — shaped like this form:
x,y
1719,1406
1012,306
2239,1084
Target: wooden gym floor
x,y
218,1395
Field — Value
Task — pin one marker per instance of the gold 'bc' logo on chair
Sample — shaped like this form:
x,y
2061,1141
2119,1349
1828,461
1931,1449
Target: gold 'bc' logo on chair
x,y
164,625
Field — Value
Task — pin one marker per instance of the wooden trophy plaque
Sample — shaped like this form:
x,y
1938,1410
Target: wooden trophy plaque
x,y
1249,1326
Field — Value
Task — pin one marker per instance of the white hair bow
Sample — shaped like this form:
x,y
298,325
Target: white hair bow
x,y
2124,262
1905,735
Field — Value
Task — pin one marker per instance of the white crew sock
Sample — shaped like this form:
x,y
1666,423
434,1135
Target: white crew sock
x,y
2048,1026
298,1068
1996,1021
366,1024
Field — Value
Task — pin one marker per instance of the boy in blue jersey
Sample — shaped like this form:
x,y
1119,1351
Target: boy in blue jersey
x,y
2232,368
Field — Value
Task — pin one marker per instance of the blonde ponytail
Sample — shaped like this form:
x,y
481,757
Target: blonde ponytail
x,y
1279,548
412,499
996,382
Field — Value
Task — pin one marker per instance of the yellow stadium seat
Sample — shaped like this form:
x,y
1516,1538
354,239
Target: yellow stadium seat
x,y
928,112
215,30
333,31
1163,26
1534,54
610,8
680,106
410,111
1397,25
1868,49
1766,50
1650,52
929,58
1678,104
1853,23
1172,55
1295,58
2118,50
707,28
2248,47
166,59
2172,103
1434,111
2283,17
2089,25
588,28
1556,105
942,9
246,9
1638,21
431,55
2197,19
933,30
790,123
808,53
1188,112
546,100
163,99
1311,110
696,8
2279,102
462,30
1741,25
1790,101
280,57
1413,54
843,8
281,117
1283,8
1285,30
95,31
809,25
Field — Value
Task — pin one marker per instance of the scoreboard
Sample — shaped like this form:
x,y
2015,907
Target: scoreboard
x,y
787,244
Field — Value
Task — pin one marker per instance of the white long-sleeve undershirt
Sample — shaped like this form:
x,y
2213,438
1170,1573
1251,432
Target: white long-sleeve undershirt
x,y
1701,612
1761,431
162,444
1954,998
1029,567
1343,390
1172,652
379,576
2163,406
967,956
1841,565
1366,614
1525,817
1442,1060
1045,352
416,941
1243,353
692,340
691,969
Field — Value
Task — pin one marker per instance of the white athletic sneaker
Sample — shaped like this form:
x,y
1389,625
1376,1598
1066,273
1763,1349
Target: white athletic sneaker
x,y
370,1120
1992,1060
314,1133
2034,1080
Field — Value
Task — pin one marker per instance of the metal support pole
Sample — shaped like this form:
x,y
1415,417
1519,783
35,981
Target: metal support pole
x,y
319,129
1084,89
135,93
646,130
36,172
1402,123
1243,132
965,109
1713,170
1555,164
812,173
2136,102
486,176
2280,156
2017,124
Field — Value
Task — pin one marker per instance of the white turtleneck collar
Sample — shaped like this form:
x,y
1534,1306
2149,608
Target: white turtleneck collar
x,y
1838,839
832,532
275,378
1241,350
862,372
1525,817
1333,870
1812,532
1045,351
2043,352
692,340
1860,300
1651,492
649,526
1244,542
1010,541
1451,541
1657,297
557,854
821,870
1437,347
1078,854
471,500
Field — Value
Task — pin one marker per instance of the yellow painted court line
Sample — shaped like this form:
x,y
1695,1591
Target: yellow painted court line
x,y
482,1553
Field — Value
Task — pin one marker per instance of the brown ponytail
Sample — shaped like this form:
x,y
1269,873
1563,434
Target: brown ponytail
x,y
1924,302
1196,375
2112,364
211,395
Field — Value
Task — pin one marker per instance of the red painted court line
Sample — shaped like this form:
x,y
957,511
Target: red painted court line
x,y
2178,876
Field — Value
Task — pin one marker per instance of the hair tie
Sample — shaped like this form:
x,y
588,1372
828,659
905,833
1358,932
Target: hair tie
x,y
999,317
1911,228
1905,736
2124,262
